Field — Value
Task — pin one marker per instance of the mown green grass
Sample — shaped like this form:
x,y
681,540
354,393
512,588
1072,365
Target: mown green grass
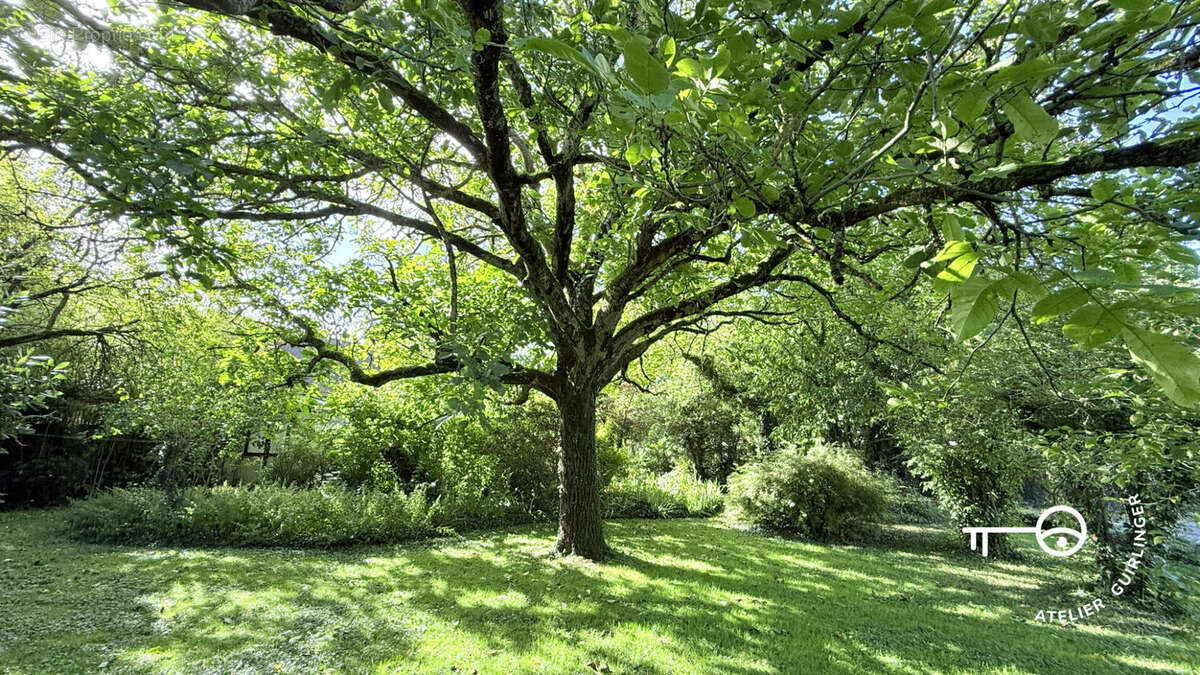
x,y
683,596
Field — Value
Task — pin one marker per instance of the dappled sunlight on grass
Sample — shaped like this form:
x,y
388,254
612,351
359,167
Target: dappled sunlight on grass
x,y
682,596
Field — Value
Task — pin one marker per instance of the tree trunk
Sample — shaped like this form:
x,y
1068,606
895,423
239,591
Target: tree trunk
x,y
579,525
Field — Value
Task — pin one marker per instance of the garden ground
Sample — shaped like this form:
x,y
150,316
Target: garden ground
x,y
683,596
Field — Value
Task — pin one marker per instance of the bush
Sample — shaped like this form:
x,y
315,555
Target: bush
x,y
907,506
819,492
28,383
970,452
677,494
333,515
977,482
301,462
119,515
374,440
262,516
523,447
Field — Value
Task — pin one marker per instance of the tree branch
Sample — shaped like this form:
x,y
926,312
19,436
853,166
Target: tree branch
x,y
1165,154
281,20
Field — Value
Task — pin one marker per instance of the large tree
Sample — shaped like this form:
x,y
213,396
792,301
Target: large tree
x,y
597,176
54,266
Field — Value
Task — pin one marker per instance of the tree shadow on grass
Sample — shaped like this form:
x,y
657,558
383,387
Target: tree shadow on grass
x,y
682,596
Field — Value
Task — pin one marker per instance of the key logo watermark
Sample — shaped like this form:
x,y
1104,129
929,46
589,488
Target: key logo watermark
x,y
1063,547
1042,536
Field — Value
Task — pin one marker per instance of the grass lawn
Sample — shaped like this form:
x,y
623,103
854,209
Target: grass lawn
x,y
684,596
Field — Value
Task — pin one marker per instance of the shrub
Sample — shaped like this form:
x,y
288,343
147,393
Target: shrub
x,y
120,515
713,433
677,494
970,452
369,439
27,384
817,492
262,516
508,470
480,498
613,461
333,515
302,462
523,447
978,483
907,506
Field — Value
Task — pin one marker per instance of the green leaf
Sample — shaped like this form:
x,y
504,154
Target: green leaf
x,y
385,100
913,72
1096,276
1161,14
764,236
668,50
917,256
960,268
971,104
744,207
559,50
1128,273
1030,121
1174,367
482,36
1027,283
951,227
1180,253
720,61
1190,309
690,68
1092,326
895,19
1039,24
973,305
618,34
1103,190
953,249
962,257
648,73
1030,72
1131,5
1059,302
633,154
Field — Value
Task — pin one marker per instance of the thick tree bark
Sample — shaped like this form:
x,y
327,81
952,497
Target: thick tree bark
x,y
579,525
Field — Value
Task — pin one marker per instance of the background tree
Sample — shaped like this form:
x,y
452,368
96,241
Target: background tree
x,y
51,260
596,178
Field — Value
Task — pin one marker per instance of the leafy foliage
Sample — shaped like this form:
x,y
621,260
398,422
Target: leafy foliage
x,y
820,491
333,515
264,516
27,384
675,494
972,455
